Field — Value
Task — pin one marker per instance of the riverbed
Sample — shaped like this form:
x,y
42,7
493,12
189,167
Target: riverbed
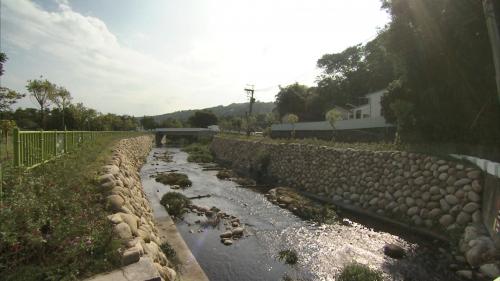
x,y
322,249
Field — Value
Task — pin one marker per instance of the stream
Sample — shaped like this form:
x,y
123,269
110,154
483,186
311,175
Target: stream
x,y
322,249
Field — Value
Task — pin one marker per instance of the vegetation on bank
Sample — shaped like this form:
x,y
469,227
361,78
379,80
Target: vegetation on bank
x,y
171,255
359,272
288,256
172,179
175,203
53,221
198,153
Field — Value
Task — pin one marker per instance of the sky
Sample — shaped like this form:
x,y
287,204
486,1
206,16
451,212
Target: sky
x,y
151,57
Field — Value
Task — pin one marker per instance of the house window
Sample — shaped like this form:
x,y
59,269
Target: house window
x,y
358,114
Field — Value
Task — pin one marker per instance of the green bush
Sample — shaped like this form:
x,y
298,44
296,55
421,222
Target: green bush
x,y
198,153
325,214
288,256
171,254
175,203
53,224
179,179
359,272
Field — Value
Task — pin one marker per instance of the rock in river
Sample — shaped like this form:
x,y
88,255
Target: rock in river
x,y
226,234
394,251
238,231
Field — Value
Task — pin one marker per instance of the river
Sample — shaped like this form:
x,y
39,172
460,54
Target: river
x,y
322,249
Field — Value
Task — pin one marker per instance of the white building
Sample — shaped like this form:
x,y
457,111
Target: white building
x,y
366,116
371,109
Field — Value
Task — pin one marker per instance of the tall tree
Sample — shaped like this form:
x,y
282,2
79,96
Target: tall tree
x,y
8,97
202,119
445,72
148,123
42,91
292,99
62,99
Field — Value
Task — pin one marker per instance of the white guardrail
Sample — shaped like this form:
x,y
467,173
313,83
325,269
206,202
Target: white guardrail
x,y
492,168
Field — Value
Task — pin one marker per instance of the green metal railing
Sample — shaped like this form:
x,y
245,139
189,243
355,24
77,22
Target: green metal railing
x,y
32,148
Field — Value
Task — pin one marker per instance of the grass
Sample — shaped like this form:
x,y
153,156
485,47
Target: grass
x,y
179,179
223,174
288,256
6,149
175,203
359,272
198,153
53,222
171,254
321,215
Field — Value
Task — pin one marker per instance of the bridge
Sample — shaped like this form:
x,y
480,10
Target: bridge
x,y
184,132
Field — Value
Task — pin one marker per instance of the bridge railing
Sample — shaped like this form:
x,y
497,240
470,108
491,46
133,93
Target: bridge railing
x,y
31,148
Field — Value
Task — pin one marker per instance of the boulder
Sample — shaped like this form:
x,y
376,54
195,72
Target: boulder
x,y
451,199
471,207
285,200
227,234
115,202
412,211
130,256
446,220
238,231
466,274
473,196
122,230
394,251
463,218
462,182
474,174
490,269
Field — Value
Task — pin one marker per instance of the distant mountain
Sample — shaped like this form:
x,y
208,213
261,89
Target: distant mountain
x,y
234,109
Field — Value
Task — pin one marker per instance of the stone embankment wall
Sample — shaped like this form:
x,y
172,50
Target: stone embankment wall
x,y
436,194
131,214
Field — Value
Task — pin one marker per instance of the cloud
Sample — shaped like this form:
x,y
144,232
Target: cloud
x,y
193,54
82,46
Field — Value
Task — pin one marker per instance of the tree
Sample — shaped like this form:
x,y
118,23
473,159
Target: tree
x,y
292,119
42,91
3,59
444,69
170,123
332,116
148,123
202,119
291,99
7,96
62,99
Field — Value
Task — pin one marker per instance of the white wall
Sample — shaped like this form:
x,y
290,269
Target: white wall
x,y
374,100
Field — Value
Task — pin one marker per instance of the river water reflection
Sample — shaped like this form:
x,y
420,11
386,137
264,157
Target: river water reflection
x,y
322,250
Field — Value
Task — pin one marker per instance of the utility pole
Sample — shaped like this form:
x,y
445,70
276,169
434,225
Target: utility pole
x,y
492,15
249,90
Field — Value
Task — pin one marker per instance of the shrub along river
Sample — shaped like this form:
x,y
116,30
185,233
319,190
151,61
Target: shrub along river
x,y
322,249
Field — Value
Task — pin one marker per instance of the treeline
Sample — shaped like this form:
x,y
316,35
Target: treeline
x,y
56,111
77,117
205,118
435,61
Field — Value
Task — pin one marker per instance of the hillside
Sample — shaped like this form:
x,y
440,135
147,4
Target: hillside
x,y
234,109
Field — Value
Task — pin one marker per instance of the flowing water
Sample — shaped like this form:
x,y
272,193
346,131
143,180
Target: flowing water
x,y
322,249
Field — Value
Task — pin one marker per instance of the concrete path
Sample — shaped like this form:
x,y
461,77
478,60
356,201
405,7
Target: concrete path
x,y
190,269
143,270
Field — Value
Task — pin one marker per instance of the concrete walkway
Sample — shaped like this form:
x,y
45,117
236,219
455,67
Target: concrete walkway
x,y
143,270
190,269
